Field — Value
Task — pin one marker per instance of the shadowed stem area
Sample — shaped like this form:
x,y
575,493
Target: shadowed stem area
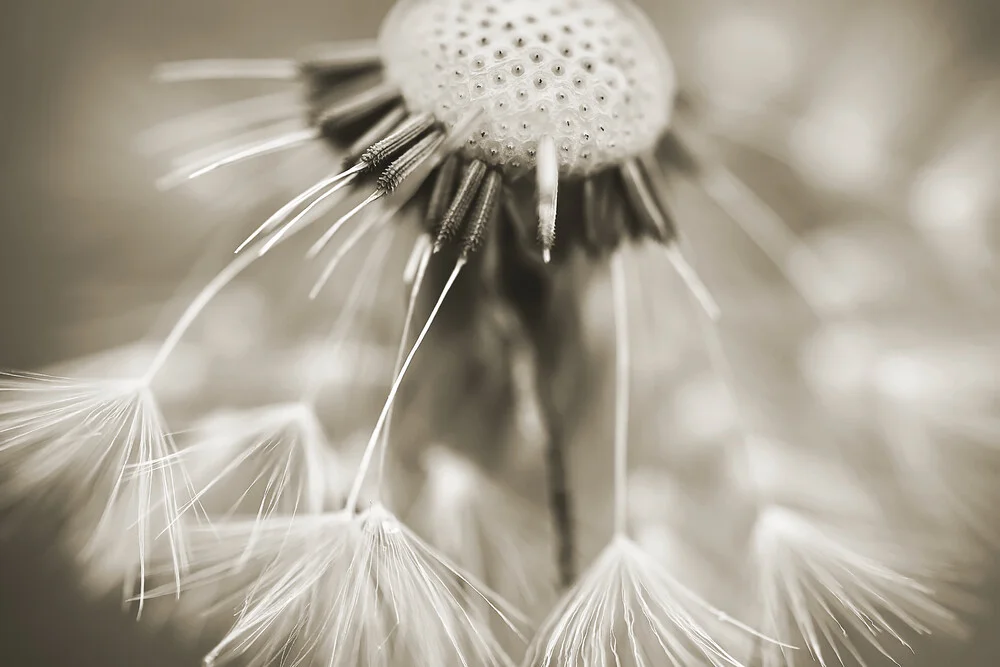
x,y
507,309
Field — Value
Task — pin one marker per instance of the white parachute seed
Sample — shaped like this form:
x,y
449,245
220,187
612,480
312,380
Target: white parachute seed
x,y
591,74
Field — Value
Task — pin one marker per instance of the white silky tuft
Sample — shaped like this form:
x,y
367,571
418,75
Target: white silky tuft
x,y
263,462
97,440
345,590
625,594
829,585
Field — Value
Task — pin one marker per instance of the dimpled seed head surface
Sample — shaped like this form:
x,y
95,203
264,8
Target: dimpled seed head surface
x,y
591,74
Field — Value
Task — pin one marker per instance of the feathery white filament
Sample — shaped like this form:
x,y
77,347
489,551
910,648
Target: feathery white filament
x,y
335,227
302,558
626,587
230,156
692,281
281,69
365,227
344,591
815,576
278,452
422,251
305,213
428,596
619,297
102,438
352,500
286,210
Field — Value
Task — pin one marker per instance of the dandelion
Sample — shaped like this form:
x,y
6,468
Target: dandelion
x,y
517,148
585,112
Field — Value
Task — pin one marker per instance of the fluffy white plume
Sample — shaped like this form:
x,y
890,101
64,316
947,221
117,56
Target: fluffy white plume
x,y
346,590
829,586
626,596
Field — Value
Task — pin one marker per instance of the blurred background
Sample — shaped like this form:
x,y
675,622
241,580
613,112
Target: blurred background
x,y
871,126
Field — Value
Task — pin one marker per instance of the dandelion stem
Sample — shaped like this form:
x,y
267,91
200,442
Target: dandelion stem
x,y
622,373
352,499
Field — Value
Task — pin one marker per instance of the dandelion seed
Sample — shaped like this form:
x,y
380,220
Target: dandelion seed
x,y
346,589
624,594
427,598
831,584
302,560
273,457
97,439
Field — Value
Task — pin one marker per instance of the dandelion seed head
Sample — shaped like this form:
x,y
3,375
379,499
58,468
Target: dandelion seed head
x,y
589,74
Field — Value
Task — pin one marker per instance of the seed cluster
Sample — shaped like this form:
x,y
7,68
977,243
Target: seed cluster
x,y
585,72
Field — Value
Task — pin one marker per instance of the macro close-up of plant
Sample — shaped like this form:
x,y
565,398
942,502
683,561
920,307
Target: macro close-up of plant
x,y
540,333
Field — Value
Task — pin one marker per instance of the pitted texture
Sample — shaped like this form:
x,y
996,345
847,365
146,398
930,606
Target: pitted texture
x,y
589,73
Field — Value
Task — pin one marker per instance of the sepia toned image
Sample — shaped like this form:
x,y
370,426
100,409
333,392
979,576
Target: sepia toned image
x,y
500,333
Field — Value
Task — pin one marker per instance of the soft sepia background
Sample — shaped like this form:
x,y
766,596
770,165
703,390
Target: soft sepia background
x,y
89,248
